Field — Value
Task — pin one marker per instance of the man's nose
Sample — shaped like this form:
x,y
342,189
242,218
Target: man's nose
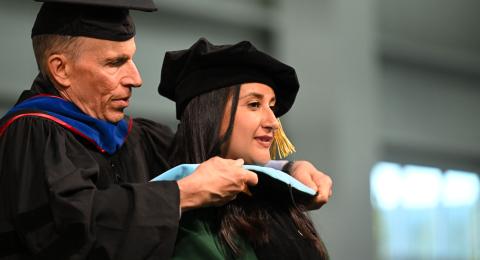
x,y
132,78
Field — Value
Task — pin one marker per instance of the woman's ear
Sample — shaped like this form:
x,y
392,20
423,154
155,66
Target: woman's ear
x,y
58,67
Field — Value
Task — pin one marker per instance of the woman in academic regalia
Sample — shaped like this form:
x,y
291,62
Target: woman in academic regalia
x,y
228,99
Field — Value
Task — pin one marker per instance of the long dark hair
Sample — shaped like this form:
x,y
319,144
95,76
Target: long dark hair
x,y
198,139
198,133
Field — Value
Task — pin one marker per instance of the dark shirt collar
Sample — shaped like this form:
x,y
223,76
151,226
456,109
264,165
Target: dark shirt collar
x,y
40,85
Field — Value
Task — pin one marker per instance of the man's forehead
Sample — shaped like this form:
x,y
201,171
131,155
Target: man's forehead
x,y
105,49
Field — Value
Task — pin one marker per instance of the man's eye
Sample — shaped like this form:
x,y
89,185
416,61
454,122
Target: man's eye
x,y
115,63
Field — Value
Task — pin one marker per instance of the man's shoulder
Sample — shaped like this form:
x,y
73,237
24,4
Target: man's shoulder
x,y
148,125
25,119
151,138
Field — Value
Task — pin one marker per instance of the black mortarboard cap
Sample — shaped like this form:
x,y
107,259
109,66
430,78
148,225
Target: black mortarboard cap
x,y
205,67
101,19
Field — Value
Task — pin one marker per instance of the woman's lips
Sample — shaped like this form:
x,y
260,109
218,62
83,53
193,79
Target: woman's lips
x,y
264,140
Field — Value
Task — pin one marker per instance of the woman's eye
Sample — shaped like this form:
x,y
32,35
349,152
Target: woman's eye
x,y
254,104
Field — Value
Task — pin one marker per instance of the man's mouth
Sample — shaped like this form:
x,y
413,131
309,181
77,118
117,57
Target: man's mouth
x,y
121,101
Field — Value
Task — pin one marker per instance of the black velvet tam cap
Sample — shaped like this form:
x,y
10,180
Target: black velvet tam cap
x,y
100,19
205,67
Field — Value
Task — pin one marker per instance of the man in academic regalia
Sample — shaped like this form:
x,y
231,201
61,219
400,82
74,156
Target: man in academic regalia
x,y
75,171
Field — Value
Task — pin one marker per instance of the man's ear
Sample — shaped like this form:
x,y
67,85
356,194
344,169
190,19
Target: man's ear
x,y
58,65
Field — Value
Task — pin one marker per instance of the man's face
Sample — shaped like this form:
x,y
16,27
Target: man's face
x,y
102,76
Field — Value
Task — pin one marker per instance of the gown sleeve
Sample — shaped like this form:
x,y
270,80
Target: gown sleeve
x,y
48,194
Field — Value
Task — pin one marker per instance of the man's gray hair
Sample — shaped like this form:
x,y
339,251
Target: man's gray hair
x,y
48,44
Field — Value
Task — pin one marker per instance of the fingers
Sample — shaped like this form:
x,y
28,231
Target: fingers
x,y
306,173
238,162
216,182
324,184
325,190
310,183
250,178
247,191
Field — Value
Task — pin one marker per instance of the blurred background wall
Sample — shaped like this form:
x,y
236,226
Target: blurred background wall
x,y
381,81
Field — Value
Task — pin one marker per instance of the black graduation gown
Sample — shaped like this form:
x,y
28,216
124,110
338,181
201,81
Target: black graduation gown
x,y
61,198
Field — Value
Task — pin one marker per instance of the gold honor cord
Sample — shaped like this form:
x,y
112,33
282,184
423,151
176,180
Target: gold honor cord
x,y
281,145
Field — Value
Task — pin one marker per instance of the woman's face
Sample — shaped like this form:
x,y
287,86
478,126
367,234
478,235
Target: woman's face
x,y
254,125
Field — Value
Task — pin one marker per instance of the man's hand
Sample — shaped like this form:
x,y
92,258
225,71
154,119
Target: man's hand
x,y
214,183
306,173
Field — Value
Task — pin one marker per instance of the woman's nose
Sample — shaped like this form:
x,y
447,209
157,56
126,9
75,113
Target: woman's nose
x,y
270,120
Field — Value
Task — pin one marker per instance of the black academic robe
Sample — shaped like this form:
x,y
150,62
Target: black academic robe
x,y
61,198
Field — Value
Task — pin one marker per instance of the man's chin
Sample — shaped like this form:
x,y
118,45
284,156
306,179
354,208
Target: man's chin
x,y
116,117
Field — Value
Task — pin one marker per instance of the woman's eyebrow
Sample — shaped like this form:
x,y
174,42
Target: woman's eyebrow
x,y
257,95
254,94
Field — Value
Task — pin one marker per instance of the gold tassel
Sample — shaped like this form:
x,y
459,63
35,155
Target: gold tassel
x,y
281,144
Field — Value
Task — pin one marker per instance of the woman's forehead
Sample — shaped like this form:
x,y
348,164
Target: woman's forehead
x,y
256,89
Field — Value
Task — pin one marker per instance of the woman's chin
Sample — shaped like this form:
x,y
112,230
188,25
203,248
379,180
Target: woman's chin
x,y
253,160
259,161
